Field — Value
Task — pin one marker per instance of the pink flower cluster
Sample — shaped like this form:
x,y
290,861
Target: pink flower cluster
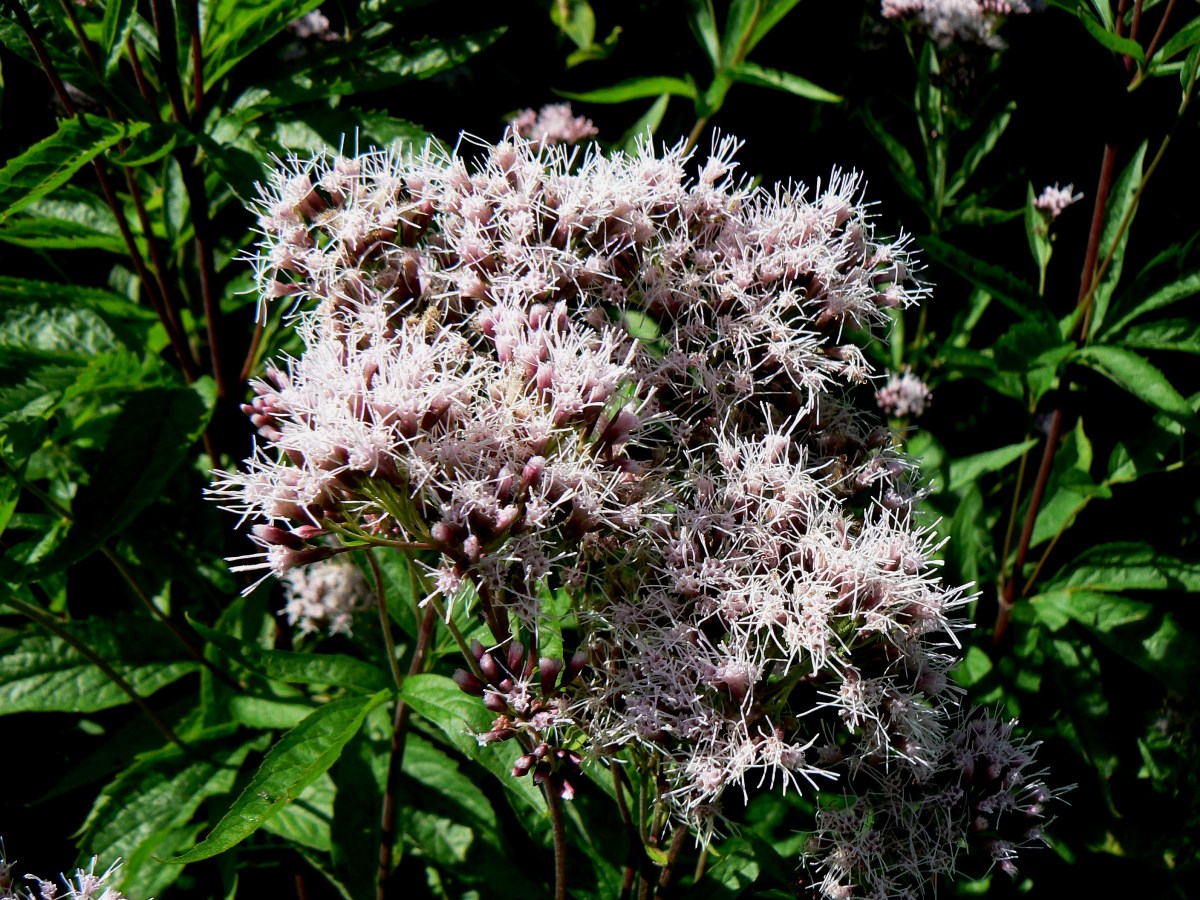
x,y
555,123
961,21
84,885
556,374
904,395
1055,199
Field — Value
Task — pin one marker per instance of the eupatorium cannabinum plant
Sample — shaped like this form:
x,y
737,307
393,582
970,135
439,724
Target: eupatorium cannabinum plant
x,y
607,395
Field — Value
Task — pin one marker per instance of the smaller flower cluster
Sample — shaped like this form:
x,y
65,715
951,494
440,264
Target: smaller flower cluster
x,y
904,395
84,885
532,713
1053,200
910,823
962,21
555,123
325,596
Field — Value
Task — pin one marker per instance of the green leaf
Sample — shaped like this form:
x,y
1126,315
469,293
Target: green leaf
x,y
1181,285
750,73
966,469
158,794
1037,232
770,14
298,668
1182,335
43,673
576,20
1121,45
634,89
1069,489
295,762
352,71
154,143
1014,293
51,162
1127,567
980,150
234,30
307,820
62,334
702,21
153,434
117,25
1147,637
1118,211
70,219
460,717
1135,375
1184,38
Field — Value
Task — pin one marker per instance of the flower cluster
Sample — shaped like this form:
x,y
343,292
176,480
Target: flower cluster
x,y
558,374
325,596
962,21
1053,200
555,123
904,395
85,885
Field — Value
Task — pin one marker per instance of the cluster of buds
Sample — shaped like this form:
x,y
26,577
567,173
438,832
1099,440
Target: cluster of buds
x,y
533,713
904,395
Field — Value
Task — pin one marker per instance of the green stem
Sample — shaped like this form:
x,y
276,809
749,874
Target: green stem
x,y
385,620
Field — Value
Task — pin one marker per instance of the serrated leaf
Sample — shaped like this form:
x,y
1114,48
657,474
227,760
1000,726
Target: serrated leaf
x,y
69,219
298,668
760,76
904,166
295,762
1127,567
1137,376
702,21
1182,289
154,143
43,673
157,794
152,435
1181,335
51,162
634,89
1119,210
647,126
307,821
234,30
460,717
967,469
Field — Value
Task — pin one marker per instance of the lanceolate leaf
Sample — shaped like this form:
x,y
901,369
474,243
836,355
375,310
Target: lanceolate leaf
x,y
299,668
749,73
1140,378
51,162
1118,219
119,16
42,673
234,30
966,469
159,793
1128,567
634,89
1182,335
299,758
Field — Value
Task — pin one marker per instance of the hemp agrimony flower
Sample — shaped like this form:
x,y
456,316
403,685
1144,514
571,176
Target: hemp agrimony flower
x,y
625,383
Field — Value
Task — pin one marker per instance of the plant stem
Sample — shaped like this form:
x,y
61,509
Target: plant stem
x,y
387,818
1162,26
1035,502
168,53
554,804
385,620
673,852
47,621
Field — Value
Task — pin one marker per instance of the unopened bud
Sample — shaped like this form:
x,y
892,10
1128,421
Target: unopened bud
x,y
495,702
548,669
574,666
468,683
